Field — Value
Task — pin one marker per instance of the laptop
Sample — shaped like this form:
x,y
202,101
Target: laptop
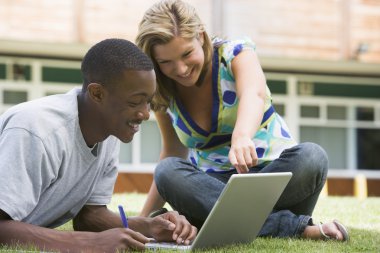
x,y
239,212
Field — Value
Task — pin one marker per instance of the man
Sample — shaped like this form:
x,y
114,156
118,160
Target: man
x,y
59,158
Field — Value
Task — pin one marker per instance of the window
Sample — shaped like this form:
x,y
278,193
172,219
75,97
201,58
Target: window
x,y
368,149
365,114
336,112
21,72
61,75
277,86
309,111
280,109
333,140
3,70
150,142
125,153
14,97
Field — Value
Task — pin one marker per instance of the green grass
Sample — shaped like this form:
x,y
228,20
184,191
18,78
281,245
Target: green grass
x,y
361,217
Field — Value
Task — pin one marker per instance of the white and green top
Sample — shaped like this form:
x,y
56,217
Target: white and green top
x,y
209,150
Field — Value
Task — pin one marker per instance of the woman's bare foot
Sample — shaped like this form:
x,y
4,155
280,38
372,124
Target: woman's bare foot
x,y
333,230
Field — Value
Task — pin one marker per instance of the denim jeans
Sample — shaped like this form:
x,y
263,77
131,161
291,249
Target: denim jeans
x,y
193,192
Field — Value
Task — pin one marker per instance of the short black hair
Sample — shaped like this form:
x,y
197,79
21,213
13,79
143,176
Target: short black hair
x,y
105,62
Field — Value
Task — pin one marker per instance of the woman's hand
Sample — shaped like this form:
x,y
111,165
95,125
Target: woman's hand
x,y
242,154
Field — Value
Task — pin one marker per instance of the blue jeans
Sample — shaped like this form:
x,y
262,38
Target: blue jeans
x,y
193,192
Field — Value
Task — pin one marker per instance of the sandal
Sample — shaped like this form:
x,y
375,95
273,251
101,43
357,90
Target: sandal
x,y
340,227
158,212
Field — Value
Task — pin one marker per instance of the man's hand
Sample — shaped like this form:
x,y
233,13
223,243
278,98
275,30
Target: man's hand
x,y
172,226
45,239
118,239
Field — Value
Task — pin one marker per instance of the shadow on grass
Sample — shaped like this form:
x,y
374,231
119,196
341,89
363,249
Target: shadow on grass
x,y
361,241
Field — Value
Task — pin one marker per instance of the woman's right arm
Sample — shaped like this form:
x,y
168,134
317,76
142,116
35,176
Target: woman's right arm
x,y
171,147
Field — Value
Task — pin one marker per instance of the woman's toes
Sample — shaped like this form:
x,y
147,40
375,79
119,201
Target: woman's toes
x,y
331,230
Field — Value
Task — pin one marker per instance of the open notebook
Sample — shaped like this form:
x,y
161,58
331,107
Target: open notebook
x,y
239,213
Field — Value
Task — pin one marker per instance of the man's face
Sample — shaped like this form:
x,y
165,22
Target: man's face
x,y
127,105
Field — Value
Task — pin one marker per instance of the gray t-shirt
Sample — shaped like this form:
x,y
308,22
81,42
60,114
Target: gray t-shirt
x,y
47,172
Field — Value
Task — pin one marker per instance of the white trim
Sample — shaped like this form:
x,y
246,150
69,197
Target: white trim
x,y
333,173
43,49
137,168
339,79
351,131
319,66
40,62
344,173
136,149
75,50
292,108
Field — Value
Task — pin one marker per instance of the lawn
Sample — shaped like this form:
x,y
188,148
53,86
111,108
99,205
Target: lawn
x,y
362,217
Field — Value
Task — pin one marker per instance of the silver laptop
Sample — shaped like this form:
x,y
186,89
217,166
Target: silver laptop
x,y
239,213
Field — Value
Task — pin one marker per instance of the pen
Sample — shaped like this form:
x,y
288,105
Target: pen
x,y
123,217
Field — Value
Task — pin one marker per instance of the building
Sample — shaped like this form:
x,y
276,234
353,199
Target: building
x,y
321,59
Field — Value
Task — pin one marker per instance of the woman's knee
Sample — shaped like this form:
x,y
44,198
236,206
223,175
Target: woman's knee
x,y
173,171
165,169
314,156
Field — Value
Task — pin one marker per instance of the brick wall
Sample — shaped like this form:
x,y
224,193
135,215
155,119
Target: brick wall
x,y
297,28
365,26
37,20
77,20
323,29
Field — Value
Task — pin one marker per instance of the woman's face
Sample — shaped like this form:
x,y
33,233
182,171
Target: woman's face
x,y
181,59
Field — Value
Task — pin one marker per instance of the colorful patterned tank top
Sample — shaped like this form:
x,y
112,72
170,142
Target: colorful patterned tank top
x,y
209,150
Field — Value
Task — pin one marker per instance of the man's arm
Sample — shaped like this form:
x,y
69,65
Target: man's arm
x,y
166,227
19,233
96,218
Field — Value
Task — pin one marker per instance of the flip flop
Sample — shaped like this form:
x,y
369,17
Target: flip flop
x,y
343,230
340,227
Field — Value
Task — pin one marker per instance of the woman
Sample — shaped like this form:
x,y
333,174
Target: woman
x,y
215,114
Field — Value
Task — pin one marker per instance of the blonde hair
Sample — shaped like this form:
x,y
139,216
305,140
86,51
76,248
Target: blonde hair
x,y
161,23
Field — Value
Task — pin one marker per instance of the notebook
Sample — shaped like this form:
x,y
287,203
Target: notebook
x,y
239,212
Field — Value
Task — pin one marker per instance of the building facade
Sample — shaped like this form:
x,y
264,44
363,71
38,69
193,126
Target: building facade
x,y
321,60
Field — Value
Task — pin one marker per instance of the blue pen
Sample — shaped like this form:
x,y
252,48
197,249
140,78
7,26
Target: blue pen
x,y
124,218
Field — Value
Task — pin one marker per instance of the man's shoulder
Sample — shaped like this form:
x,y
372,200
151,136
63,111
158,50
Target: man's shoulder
x,y
40,116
